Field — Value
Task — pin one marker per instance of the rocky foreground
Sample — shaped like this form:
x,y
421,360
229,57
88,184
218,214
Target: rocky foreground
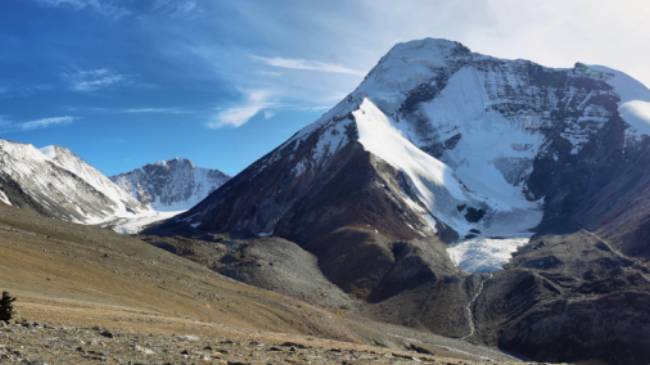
x,y
38,344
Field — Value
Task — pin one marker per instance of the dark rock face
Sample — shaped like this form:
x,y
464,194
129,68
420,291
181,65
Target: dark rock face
x,y
569,298
612,328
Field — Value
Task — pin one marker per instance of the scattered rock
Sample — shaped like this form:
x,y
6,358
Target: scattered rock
x,y
144,350
191,338
39,346
293,344
106,333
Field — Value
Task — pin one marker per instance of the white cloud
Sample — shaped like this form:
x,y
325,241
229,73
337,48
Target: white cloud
x,y
47,122
256,101
307,65
75,4
91,80
175,7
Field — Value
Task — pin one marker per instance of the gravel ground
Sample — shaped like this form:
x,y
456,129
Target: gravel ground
x,y
38,344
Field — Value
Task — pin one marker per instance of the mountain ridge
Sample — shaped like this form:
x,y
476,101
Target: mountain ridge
x,y
500,91
442,149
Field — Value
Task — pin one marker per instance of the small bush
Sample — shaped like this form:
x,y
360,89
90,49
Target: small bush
x,y
6,307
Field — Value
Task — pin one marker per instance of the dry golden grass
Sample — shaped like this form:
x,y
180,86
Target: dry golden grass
x,y
74,274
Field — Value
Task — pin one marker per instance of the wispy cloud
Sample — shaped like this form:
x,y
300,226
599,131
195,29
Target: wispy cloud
x,y
306,65
47,122
236,116
145,110
105,7
91,80
118,8
175,7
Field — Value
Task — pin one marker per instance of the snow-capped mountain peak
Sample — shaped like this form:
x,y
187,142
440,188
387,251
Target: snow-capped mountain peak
x,y
57,183
463,147
170,185
406,67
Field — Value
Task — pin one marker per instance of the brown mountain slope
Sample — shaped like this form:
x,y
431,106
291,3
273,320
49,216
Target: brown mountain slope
x,y
55,266
74,277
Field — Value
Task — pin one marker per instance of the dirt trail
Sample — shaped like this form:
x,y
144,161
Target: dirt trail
x,y
606,243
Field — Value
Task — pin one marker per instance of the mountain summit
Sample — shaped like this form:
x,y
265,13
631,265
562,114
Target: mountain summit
x,y
445,164
172,185
442,143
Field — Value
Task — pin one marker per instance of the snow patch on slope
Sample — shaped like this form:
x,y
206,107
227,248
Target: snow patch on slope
x,y
333,136
435,185
488,141
137,224
637,114
635,100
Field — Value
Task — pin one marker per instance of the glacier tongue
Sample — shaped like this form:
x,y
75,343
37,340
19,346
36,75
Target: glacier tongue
x,y
484,254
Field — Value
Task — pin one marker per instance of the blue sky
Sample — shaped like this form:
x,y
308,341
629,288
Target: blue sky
x,y
124,83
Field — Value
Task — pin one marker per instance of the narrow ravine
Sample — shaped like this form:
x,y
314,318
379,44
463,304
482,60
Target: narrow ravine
x,y
469,308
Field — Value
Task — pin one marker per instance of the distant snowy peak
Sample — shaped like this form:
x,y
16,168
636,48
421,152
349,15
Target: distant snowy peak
x,y
59,184
172,185
71,162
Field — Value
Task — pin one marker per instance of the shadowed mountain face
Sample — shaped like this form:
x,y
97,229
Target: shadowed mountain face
x,y
575,294
445,159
